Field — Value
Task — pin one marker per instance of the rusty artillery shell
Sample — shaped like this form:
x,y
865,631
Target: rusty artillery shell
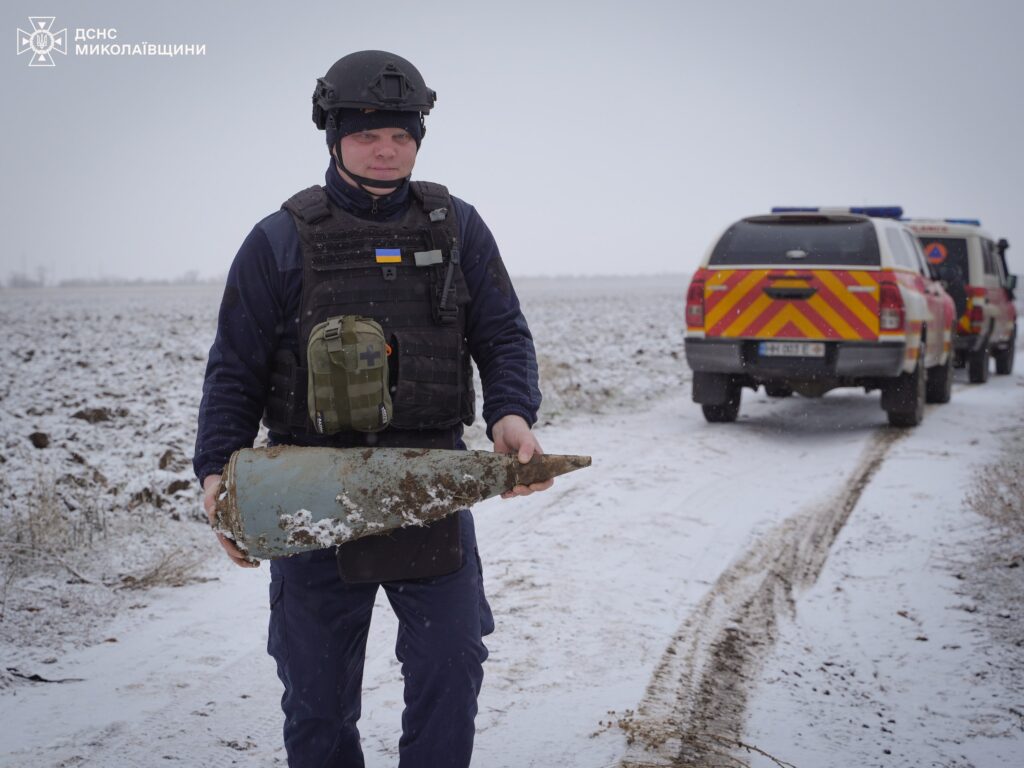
x,y
275,502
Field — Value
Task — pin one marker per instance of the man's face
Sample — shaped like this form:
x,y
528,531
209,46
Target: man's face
x,y
382,153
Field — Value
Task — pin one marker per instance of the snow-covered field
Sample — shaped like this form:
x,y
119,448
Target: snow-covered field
x,y
806,584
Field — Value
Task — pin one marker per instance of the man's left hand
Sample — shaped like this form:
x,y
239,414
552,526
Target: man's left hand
x,y
512,435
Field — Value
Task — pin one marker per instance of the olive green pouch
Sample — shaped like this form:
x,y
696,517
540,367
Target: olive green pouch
x,y
347,360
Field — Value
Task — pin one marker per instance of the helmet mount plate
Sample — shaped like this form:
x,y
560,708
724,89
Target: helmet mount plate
x,y
391,85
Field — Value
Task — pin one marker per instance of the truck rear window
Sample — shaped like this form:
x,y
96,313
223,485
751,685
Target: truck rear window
x,y
948,257
824,242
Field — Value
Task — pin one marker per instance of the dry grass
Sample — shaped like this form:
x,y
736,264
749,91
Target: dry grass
x,y
998,493
59,531
565,392
57,515
991,580
174,568
694,749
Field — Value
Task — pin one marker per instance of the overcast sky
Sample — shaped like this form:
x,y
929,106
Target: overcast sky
x,y
593,137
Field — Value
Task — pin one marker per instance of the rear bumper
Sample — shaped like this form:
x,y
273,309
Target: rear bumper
x,y
964,342
842,359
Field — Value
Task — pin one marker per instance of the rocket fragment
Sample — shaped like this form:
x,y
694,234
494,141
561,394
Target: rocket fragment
x,y
279,501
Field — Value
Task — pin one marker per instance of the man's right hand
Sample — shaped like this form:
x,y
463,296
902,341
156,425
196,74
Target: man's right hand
x,y
210,486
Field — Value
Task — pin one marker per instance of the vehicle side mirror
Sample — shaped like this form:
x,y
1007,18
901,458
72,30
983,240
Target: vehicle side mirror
x,y
1011,282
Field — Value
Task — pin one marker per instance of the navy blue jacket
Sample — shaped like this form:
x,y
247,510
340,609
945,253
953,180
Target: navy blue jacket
x,y
260,311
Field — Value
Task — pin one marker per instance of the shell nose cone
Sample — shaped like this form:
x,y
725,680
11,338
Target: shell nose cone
x,y
546,466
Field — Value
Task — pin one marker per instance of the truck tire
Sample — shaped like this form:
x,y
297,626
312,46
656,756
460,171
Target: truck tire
x,y
777,390
717,414
728,407
903,399
1004,357
940,381
977,365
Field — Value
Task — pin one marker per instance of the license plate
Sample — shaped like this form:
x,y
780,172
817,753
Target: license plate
x,y
791,349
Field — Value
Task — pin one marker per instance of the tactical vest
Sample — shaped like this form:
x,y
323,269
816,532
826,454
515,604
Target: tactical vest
x,y
405,274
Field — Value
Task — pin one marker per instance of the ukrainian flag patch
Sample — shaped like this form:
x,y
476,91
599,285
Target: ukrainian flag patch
x,y
388,255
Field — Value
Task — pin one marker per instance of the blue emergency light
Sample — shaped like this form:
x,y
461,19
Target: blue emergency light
x,y
878,211
972,222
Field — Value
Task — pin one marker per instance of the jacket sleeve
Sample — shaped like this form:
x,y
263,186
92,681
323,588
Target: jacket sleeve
x,y
238,368
498,335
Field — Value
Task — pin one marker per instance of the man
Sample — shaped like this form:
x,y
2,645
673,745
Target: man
x,y
424,270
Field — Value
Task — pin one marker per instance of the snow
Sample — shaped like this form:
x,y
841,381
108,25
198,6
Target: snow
x,y
326,532
700,585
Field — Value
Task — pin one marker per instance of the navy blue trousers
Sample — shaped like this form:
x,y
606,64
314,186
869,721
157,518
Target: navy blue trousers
x,y
318,630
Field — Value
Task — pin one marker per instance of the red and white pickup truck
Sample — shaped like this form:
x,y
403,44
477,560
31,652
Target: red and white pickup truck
x,y
807,300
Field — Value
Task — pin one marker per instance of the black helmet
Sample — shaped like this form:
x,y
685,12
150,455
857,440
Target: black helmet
x,y
370,80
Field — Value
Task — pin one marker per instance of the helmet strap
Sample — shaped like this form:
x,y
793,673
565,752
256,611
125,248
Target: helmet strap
x,y
364,181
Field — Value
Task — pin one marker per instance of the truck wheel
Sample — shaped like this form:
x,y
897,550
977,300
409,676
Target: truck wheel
x,y
777,390
728,410
977,365
718,395
722,413
904,400
940,382
1004,358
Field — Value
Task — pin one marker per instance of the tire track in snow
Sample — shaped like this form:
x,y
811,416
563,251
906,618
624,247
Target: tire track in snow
x,y
694,708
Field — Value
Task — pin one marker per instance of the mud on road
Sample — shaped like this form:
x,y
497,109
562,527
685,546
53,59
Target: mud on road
x,y
693,711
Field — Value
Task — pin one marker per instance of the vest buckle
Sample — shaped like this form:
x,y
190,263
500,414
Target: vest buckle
x,y
446,313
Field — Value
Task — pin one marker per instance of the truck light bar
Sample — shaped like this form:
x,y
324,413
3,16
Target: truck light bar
x,y
878,211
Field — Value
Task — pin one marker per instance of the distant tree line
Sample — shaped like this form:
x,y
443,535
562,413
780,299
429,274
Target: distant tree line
x,y
24,280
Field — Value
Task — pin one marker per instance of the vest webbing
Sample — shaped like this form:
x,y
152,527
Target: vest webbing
x,y
418,301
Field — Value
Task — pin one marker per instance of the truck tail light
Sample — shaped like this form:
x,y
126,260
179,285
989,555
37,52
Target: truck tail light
x,y
977,315
976,307
890,307
695,305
